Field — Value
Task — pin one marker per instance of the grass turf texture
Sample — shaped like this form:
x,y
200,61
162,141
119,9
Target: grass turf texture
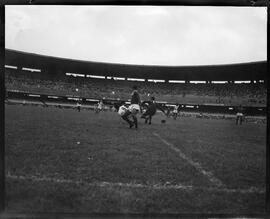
x,y
44,142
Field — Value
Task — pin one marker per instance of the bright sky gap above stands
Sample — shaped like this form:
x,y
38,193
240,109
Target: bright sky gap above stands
x,y
144,35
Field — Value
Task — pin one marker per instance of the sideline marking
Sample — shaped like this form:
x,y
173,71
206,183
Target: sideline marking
x,y
197,165
136,185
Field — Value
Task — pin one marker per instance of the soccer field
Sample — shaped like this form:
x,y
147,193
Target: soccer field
x,y
61,160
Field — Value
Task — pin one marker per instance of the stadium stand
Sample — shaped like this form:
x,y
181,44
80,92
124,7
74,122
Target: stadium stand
x,y
51,78
228,94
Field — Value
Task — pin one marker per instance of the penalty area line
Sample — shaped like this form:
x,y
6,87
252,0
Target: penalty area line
x,y
197,165
250,190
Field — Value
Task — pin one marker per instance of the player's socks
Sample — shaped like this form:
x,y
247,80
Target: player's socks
x,y
128,121
135,121
131,125
150,120
125,117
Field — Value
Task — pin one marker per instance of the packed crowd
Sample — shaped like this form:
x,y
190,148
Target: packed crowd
x,y
246,94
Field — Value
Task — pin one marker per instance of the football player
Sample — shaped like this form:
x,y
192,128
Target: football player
x,y
175,111
239,115
99,106
151,110
133,109
78,106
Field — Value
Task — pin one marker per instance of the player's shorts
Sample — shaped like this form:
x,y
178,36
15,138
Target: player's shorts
x,y
175,111
134,108
122,110
239,114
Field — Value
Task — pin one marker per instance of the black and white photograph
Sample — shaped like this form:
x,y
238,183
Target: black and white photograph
x,y
135,109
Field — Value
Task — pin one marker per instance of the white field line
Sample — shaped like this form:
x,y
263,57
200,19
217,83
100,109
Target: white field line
x,y
197,165
136,185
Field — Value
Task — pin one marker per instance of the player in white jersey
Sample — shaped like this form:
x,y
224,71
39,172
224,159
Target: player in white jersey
x,y
99,106
78,106
175,111
133,109
122,110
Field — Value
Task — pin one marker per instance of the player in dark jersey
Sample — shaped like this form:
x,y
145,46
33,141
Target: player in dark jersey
x,y
133,109
151,110
168,112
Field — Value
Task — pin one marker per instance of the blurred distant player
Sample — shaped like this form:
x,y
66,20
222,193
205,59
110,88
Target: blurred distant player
x,y
99,106
239,115
175,111
133,109
78,106
168,112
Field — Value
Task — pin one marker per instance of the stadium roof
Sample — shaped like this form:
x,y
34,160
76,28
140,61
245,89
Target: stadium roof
x,y
241,71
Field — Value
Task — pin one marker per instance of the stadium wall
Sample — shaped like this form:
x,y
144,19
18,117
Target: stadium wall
x,y
204,108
